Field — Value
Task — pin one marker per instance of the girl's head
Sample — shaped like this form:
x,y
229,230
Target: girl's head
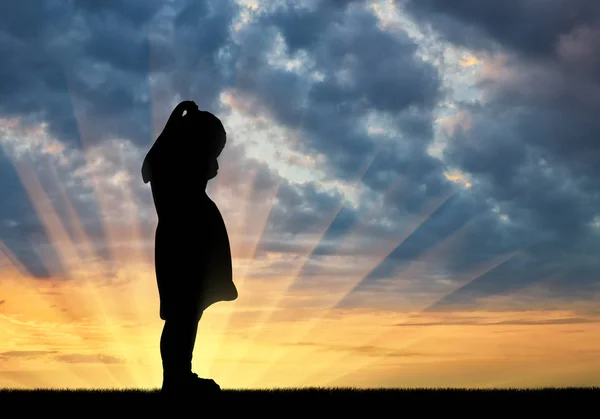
x,y
188,126
192,133
203,132
206,136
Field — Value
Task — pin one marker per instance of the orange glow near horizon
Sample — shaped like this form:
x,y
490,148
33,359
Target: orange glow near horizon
x,y
53,337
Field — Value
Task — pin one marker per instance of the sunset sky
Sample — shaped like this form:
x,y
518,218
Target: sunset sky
x,y
411,190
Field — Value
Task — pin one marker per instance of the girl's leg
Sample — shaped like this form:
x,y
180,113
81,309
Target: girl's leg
x,y
177,346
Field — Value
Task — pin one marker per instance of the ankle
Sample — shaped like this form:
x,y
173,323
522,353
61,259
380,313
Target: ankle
x,y
176,373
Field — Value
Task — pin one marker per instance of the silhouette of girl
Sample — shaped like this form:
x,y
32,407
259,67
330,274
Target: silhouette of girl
x,y
192,253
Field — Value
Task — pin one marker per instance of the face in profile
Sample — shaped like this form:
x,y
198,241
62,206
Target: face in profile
x,y
206,136
213,168
219,145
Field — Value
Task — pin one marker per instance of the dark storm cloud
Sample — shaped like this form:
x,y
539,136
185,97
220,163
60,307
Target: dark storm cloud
x,y
303,27
529,26
327,112
201,49
32,80
98,56
526,160
533,144
135,12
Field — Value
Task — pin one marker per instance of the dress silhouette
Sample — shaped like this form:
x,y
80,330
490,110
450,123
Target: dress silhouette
x,y
192,253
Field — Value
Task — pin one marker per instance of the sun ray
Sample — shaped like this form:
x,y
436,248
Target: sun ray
x,y
463,281
114,230
255,228
522,373
333,298
27,380
282,287
254,216
84,244
131,224
58,236
516,376
19,271
104,298
254,225
45,300
430,257
138,260
72,265
12,261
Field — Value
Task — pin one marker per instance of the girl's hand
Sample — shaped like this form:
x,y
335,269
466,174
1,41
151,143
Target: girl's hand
x,y
187,106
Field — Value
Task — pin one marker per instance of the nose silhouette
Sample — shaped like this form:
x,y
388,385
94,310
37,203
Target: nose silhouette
x,y
214,169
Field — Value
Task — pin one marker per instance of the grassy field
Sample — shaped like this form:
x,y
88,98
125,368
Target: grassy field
x,y
316,402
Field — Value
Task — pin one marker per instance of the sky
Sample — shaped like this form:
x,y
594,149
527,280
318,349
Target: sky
x,y
410,187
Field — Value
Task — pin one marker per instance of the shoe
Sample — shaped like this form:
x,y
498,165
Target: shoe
x,y
204,384
188,385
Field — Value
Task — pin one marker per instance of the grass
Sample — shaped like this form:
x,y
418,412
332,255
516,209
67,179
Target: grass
x,y
314,402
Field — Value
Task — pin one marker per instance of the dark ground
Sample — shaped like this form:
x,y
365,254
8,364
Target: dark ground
x,y
568,402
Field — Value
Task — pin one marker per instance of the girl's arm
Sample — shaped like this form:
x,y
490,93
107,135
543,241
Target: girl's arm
x,y
187,106
170,128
